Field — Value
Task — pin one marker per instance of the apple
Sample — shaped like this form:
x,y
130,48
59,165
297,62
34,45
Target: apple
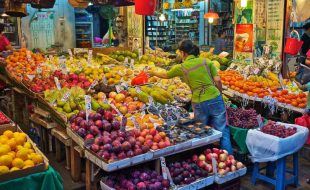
x,y
123,109
233,168
112,94
195,158
227,169
119,97
231,157
216,151
233,162
221,165
239,165
208,168
223,157
207,151
209,157
222,172
228,163
201,163
215,156
202,157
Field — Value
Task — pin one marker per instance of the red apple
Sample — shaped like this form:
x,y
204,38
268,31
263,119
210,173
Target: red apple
x,y
216,151
231,157
228,163
223,157
233,162
233,168
239,165
195,158
208,168
201,163
202,157
112,94
207,151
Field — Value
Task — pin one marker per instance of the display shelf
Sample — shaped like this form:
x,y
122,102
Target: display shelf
x,y
168,151
83,26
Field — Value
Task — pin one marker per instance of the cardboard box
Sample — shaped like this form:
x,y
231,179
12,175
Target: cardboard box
x,y
24,172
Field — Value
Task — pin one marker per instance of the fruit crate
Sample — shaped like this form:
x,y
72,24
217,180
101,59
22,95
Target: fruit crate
x,y
229,185
10,123
230,176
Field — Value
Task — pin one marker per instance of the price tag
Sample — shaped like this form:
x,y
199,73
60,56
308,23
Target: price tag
x,y
165,171
140,53
93,84
268,89
28,53
57,83
132,62
39,70
118,88
138,89
260,121
256,71
124,122
135,122
104,79
90,56
70,54
126,61
214,165
294,83
66,97
151,101
281,81
87,105
62,64
113,107
31,77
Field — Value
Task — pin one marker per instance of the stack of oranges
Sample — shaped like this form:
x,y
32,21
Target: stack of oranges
x,y
237,82
16,152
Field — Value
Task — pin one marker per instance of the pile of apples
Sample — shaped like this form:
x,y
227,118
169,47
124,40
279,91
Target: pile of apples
x,y
124,102
4,119
225,162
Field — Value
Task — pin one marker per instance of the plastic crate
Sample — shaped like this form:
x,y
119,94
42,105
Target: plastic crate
x,y
229,185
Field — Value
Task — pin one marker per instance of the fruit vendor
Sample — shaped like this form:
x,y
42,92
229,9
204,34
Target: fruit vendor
x,y
205,83
4,42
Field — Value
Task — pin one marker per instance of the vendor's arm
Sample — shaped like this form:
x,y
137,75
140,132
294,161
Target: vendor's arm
x,y
307,61
216,77
305,87
7,44
173,72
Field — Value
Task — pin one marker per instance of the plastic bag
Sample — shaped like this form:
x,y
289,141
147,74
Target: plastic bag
x,y
265,148
304,121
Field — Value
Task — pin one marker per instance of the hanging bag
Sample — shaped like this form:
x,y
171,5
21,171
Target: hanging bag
x,y
293,45
145,7
304,121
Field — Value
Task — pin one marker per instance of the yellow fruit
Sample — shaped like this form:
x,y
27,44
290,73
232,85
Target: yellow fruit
x,y
9,134
4,169
14,169
6,160
30,151
12,143
28,166
19,147
20,140
16,134
23,135
4,149
29,163
18,163
37,159
3,139
22,153
27,145
12,154
31,155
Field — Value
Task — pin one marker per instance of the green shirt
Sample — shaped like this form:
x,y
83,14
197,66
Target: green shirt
x,y
196,78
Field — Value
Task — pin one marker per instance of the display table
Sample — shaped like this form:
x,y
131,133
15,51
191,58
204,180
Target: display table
x,y
48,180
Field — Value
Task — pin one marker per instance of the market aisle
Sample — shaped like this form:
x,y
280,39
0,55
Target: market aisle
x,y
67,180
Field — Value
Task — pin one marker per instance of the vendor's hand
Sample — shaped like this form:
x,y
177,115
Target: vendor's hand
x,y
151,72
298,84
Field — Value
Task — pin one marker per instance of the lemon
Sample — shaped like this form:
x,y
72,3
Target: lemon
x,y
37,159
12,143
23,135
6,160
12,154
22,153
4,169
4,149
30,151
27,145
3,139
18,163
16,134
14,169
9,134
19,147
31,155
29,163
20,140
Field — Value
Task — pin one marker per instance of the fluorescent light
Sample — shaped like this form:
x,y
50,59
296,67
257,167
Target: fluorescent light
x,y
210,20
244,3
90,4
185,9
162,17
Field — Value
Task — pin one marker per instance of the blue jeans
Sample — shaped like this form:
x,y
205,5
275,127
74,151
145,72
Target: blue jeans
x,y
213,113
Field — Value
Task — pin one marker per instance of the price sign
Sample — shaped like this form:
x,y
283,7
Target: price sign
x,y
31,77
166,173
93,84
57,83
50,57
124,122
118,88
135,122
151,101
214,165
138,89
87,105
62,64
132,62
90,56
126,61
268,89
113,107
260,121
66,97
70,54
140,53
256,71
104,79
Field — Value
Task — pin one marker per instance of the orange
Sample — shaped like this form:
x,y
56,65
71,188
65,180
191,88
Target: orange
x,y
37,159
6,160
8,133
18,163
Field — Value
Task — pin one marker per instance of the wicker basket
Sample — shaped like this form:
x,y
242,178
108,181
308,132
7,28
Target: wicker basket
x,y
15,9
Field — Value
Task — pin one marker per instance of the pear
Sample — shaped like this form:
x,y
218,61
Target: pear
x,y
67,108
72,104
60,103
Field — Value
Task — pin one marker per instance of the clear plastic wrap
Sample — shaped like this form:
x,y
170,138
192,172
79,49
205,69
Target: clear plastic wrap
x,y
264,147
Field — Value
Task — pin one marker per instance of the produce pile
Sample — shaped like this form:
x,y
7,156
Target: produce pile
x,y
4,119
16,153
242,118
272,128
222,63
225,163
237,82
138,179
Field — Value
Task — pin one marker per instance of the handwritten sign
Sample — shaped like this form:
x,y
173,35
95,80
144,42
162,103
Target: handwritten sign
x,y
90,56
93,84
66,97
57,83
70,54
87,105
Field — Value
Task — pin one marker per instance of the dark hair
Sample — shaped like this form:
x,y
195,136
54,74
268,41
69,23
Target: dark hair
x,y
306,26
221,32
2,26
188,47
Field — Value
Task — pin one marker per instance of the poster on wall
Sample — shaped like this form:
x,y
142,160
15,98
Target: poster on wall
x,y
42,30
275,16
244,15
244,38
260,20
135,27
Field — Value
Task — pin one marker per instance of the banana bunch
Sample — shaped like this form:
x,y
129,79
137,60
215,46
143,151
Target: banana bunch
x,y
187,4
267,83
177,5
